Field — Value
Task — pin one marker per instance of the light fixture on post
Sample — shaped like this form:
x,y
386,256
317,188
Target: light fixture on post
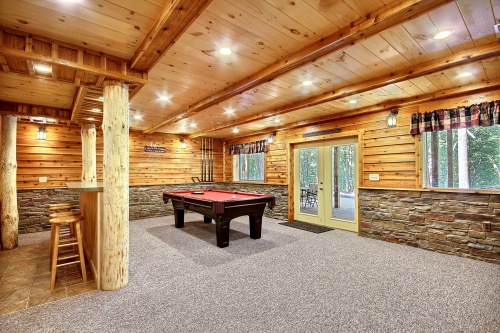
x,y
41,134
183,144
392,119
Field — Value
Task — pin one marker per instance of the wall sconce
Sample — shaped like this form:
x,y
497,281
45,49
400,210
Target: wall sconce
x,y
270,138
41,134
392,118
183,144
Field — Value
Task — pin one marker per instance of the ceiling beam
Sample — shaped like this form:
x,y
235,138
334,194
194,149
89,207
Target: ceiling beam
x,y
21,109
72,57
77,103
467,90
175,18
392,14
433,66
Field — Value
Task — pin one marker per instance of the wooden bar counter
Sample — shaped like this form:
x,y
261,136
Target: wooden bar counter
x,y
91,206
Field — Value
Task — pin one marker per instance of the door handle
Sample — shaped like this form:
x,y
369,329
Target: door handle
x,y
321,188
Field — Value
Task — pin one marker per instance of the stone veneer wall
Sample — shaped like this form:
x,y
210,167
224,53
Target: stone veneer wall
x,y
450,223
280,211
145,201
33,207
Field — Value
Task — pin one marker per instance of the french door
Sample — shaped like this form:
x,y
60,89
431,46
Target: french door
x,y
325,182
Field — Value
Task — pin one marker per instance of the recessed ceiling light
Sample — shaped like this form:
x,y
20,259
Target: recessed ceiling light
x,y
307,83
353,101
465,74
90,118
43,68
442,34
137,116
193,125
164,98
235,130
225,51
96,110
229,111
276,120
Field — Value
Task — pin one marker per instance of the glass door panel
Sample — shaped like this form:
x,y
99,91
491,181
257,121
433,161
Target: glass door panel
x,y
308,175
343,182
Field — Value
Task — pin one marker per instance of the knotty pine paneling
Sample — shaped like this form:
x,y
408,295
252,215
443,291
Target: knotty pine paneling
x,y
59,158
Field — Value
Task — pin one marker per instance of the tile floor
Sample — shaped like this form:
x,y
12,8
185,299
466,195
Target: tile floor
x,y
25,278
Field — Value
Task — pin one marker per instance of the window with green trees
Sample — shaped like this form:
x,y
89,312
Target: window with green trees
x,y
250,166
462,158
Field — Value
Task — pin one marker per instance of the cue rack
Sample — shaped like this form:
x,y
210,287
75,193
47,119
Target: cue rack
x,y
207,159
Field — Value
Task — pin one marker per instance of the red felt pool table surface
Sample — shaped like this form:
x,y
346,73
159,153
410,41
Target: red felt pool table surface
x,y
221,206
217,195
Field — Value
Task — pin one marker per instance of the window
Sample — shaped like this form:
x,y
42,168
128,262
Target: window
x,y
462,158
248,167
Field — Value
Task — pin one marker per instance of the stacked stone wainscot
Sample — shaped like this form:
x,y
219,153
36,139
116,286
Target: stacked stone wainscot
x,y
450,223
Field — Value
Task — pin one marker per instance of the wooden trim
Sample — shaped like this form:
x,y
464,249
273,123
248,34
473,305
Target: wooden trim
x,y
77,104
290,168
21,109
438,190
459,59
175,18
381,19
418,161
334,136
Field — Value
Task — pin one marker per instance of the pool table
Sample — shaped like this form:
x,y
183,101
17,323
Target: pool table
x,y
221,206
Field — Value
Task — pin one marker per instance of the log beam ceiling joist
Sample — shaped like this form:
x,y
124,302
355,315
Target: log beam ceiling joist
x,y
456,92
387,16
465,57
73,59
175,18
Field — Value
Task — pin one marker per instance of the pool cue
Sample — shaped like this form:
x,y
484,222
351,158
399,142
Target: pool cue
x,y
211,159
202,159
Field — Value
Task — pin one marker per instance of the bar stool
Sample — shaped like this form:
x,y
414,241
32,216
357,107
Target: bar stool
x,y
75,255
62,207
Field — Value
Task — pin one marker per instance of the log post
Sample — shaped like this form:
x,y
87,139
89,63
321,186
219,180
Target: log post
x,y
115,223
8,172
89,165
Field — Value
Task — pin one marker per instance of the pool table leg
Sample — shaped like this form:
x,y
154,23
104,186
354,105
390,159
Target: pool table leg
x,y
207,219
179,218
222,233
255,226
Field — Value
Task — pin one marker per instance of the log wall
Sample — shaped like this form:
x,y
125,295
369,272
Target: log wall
x,y
59,158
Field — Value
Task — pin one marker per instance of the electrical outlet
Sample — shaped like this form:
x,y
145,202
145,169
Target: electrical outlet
x,y
42,179
487,226
374,177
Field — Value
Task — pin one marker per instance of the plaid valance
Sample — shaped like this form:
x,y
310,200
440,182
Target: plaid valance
x,y
483,114
249,148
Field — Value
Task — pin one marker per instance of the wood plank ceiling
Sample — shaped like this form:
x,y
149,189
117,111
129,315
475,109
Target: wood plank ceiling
x,y
358,56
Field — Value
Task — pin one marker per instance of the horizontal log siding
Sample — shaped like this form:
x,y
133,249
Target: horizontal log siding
x,y
59,158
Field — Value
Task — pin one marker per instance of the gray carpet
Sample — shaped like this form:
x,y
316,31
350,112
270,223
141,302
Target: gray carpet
x,y
287,281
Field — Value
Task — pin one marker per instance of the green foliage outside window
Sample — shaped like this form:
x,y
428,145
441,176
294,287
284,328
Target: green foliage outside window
x,y
481,168
252,166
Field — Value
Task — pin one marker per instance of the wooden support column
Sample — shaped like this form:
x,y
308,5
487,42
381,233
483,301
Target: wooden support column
x,y
115,223
8,194
89,164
